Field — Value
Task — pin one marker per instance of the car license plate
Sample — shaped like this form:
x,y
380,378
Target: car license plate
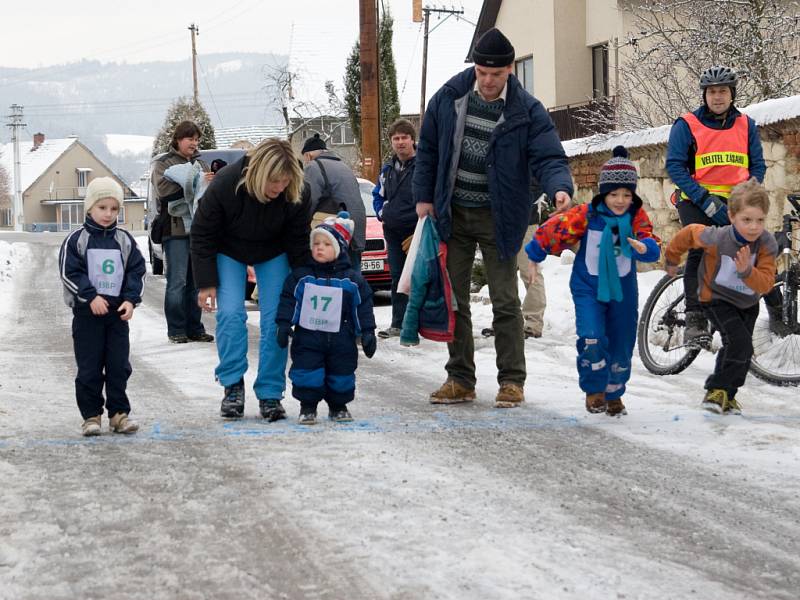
x,y
369,266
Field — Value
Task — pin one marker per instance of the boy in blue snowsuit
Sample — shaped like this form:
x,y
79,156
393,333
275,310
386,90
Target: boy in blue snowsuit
x,y
103,275
330,305
614,232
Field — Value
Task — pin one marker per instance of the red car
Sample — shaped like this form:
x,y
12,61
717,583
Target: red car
x,y
374,259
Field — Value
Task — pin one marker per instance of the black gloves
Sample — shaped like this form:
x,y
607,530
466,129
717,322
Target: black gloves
x,y
369,343
283,333
716,208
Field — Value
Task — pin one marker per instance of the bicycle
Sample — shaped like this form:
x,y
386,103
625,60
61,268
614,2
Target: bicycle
x,y
776,356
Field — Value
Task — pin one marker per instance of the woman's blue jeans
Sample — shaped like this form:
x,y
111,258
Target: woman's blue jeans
x,y
232,325
180,300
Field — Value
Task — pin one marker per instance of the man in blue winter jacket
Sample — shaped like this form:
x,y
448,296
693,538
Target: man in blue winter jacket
x,y
395,208
482,137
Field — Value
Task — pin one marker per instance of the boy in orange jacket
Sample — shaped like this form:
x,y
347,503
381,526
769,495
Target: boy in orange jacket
x,y
738,268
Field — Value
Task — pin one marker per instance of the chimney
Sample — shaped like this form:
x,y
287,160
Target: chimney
x,y
38,140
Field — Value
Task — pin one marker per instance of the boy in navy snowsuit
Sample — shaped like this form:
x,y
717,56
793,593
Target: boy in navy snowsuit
x,y
330,305
103,275
614,232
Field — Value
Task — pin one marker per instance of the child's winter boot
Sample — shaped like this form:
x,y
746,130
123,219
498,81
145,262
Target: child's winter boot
x,y
340,414
732,407
715,400
120,423
307,418
232,406
615,408
596,403
91,426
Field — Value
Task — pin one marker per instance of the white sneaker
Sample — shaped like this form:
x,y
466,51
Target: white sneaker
x,y
120,423
91,426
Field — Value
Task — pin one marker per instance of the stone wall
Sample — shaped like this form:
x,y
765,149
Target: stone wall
x,y
781,142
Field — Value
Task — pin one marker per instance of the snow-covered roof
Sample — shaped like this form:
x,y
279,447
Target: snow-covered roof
x,y
33,163
252,133
764,113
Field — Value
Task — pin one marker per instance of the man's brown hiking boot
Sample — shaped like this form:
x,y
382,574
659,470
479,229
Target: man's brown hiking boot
x,y
596,403
452,392
510,395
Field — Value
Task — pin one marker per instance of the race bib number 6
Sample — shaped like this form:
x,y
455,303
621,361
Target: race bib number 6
x,y
321,309
105,271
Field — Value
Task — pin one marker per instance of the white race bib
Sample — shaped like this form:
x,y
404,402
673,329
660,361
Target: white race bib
x,y
728,277
592,255
105,270
322,308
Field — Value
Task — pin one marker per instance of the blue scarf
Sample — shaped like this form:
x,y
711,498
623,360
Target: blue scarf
x,y
608,285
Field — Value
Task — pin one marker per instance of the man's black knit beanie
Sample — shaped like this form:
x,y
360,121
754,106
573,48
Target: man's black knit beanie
x,y
493,50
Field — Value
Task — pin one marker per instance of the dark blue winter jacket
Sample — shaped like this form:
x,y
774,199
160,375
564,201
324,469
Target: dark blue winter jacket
x,y
356,317
681,150
393,199
523,142
79,289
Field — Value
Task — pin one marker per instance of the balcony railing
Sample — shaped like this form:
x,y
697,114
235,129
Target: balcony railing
x,y
584,118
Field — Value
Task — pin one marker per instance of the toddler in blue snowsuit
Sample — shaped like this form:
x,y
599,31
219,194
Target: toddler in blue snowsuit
x,y
614,232
103,274
330,305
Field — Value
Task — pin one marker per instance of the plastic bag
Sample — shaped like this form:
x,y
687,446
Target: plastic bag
x,y
404,285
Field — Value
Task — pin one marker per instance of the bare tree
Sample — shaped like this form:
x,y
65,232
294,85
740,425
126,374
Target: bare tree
x,y
282,85
672,42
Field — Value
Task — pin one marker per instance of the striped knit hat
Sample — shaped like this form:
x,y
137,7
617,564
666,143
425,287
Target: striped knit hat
x,y
338,229
619,172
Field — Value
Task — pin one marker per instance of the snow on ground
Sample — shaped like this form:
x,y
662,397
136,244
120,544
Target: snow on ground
x,y
414,543
663,411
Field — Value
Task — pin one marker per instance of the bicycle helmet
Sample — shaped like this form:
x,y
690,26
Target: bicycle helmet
x,y
719,75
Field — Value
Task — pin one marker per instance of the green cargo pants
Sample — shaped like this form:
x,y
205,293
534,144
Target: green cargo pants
x,y
475,227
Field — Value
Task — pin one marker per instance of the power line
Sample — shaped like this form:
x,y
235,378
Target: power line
x,y
208,87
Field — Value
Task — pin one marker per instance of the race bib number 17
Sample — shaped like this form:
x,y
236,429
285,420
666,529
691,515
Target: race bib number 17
x,y
321,309
105,271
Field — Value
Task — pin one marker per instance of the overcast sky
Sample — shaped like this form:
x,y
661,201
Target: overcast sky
x,y
317,34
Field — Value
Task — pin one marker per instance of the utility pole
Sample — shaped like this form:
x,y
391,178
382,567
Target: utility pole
x,y
426,19
370,99
16,124
195,31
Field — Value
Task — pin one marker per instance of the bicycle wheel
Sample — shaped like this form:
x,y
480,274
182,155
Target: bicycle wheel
x,y
660,331
776,359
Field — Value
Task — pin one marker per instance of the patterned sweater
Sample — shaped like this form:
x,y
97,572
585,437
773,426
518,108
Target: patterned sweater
x,y
472,183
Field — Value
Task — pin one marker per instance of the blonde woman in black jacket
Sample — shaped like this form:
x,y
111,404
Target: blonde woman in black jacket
x,y
253,213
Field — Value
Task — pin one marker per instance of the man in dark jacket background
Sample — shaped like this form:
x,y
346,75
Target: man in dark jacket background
x,y
481,138
716,129
394,205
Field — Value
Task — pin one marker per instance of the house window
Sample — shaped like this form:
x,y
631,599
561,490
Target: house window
x,y
121,216
5,217
600,71
523,69
70,216
342,134
83,176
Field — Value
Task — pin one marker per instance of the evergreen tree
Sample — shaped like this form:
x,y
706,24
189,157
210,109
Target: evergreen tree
x,y
184,109
389,100
352,91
